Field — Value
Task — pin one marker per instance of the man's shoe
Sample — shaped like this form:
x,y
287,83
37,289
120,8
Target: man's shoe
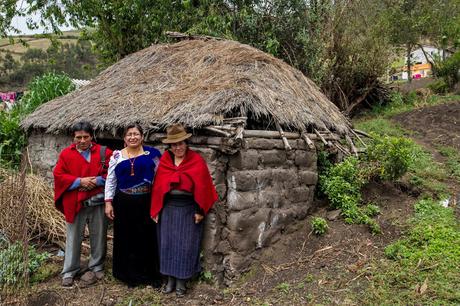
x,y
67,282
88,278
99,274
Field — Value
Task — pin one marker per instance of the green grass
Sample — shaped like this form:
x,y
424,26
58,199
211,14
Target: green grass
x,y
403,103
424,267
453,161
424,173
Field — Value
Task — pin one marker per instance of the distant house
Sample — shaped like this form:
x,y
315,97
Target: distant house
x,y
421,66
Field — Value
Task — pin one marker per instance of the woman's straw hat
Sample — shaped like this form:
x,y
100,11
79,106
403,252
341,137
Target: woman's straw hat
x,y
176,133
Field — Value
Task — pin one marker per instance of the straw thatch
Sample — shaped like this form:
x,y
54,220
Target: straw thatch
x,y
197,83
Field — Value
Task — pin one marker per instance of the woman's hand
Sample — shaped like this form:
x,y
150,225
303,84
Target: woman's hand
x,y
155,219
198,218
109,210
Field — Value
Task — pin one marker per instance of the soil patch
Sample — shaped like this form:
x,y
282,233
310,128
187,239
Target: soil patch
x,y
436,125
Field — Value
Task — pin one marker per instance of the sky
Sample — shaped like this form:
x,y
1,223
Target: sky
x,y
21,24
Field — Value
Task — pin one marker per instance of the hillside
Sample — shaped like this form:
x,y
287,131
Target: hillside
x,y
17,48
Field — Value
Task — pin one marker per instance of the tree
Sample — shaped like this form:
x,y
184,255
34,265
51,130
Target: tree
x,y
336,43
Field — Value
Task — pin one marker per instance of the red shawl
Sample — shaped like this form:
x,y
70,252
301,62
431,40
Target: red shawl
x,y
70,166
191,175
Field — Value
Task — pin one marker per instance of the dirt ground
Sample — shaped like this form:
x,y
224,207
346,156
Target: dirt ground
x,y
301,269
437,125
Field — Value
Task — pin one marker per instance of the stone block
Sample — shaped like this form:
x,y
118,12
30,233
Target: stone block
x,y
244,160
264,178
211,232
307,177
242,180
240,200
305,159
270,197
276,158
298,194
247,220
264,143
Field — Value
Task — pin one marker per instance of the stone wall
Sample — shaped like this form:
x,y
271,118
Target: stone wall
x,y
44,151
268,188
262,190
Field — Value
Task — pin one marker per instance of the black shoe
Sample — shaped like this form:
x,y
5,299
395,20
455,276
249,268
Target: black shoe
x,y
157,283
180,293
167,289
170,286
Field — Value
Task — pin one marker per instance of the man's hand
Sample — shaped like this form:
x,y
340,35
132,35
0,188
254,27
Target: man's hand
x,y
109,210
198,218
88,183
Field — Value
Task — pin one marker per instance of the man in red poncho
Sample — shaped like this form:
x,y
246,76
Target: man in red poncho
x,y
79,178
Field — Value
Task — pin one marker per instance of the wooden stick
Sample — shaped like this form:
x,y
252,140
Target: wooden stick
x,y
363,133
344,150
352,145
321,137
212,129
359,138
286,143
239,132
309,142
223,127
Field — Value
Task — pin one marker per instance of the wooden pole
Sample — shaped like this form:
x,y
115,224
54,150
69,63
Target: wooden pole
x,y
285,142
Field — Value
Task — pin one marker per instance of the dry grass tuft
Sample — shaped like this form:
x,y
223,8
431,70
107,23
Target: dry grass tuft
x,y
43,220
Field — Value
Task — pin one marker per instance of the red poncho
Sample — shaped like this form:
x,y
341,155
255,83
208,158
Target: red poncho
x,y
192,175
70,166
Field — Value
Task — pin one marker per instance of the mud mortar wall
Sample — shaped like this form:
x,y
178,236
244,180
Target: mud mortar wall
x,y
266,189
262,189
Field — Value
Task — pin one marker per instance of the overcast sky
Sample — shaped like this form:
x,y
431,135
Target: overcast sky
x,y
21,24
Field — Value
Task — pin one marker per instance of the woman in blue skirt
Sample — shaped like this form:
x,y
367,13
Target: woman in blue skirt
x,y
182,195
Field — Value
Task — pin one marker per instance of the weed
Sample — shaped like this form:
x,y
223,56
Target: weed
x,y
284,287
453,161
206,276
12,266
319,226
371,210
429,254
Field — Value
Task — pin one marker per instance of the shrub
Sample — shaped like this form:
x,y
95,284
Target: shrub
x,y
439,87
319,226
449,69
390,156
40,90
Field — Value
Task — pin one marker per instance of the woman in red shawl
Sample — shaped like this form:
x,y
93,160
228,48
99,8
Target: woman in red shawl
x,y
182,195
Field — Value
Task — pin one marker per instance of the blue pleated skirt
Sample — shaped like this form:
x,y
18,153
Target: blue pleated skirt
x,y
179,238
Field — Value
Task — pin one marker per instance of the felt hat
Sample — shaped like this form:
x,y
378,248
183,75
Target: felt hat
x,y
176,133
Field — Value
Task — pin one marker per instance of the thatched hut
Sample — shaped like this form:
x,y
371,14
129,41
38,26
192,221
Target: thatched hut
x,y
255,120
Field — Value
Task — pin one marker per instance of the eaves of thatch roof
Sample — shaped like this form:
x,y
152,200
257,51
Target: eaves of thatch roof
x,y
197,83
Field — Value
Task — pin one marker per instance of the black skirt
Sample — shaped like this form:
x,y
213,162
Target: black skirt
x,y
179,238
135,248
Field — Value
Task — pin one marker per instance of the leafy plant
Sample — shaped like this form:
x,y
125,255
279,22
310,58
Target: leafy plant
x,y
319,226
12,267
390,156
41,89
284,287
371,210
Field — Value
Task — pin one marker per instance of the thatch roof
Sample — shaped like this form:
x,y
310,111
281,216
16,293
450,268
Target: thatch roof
x,y
197,83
